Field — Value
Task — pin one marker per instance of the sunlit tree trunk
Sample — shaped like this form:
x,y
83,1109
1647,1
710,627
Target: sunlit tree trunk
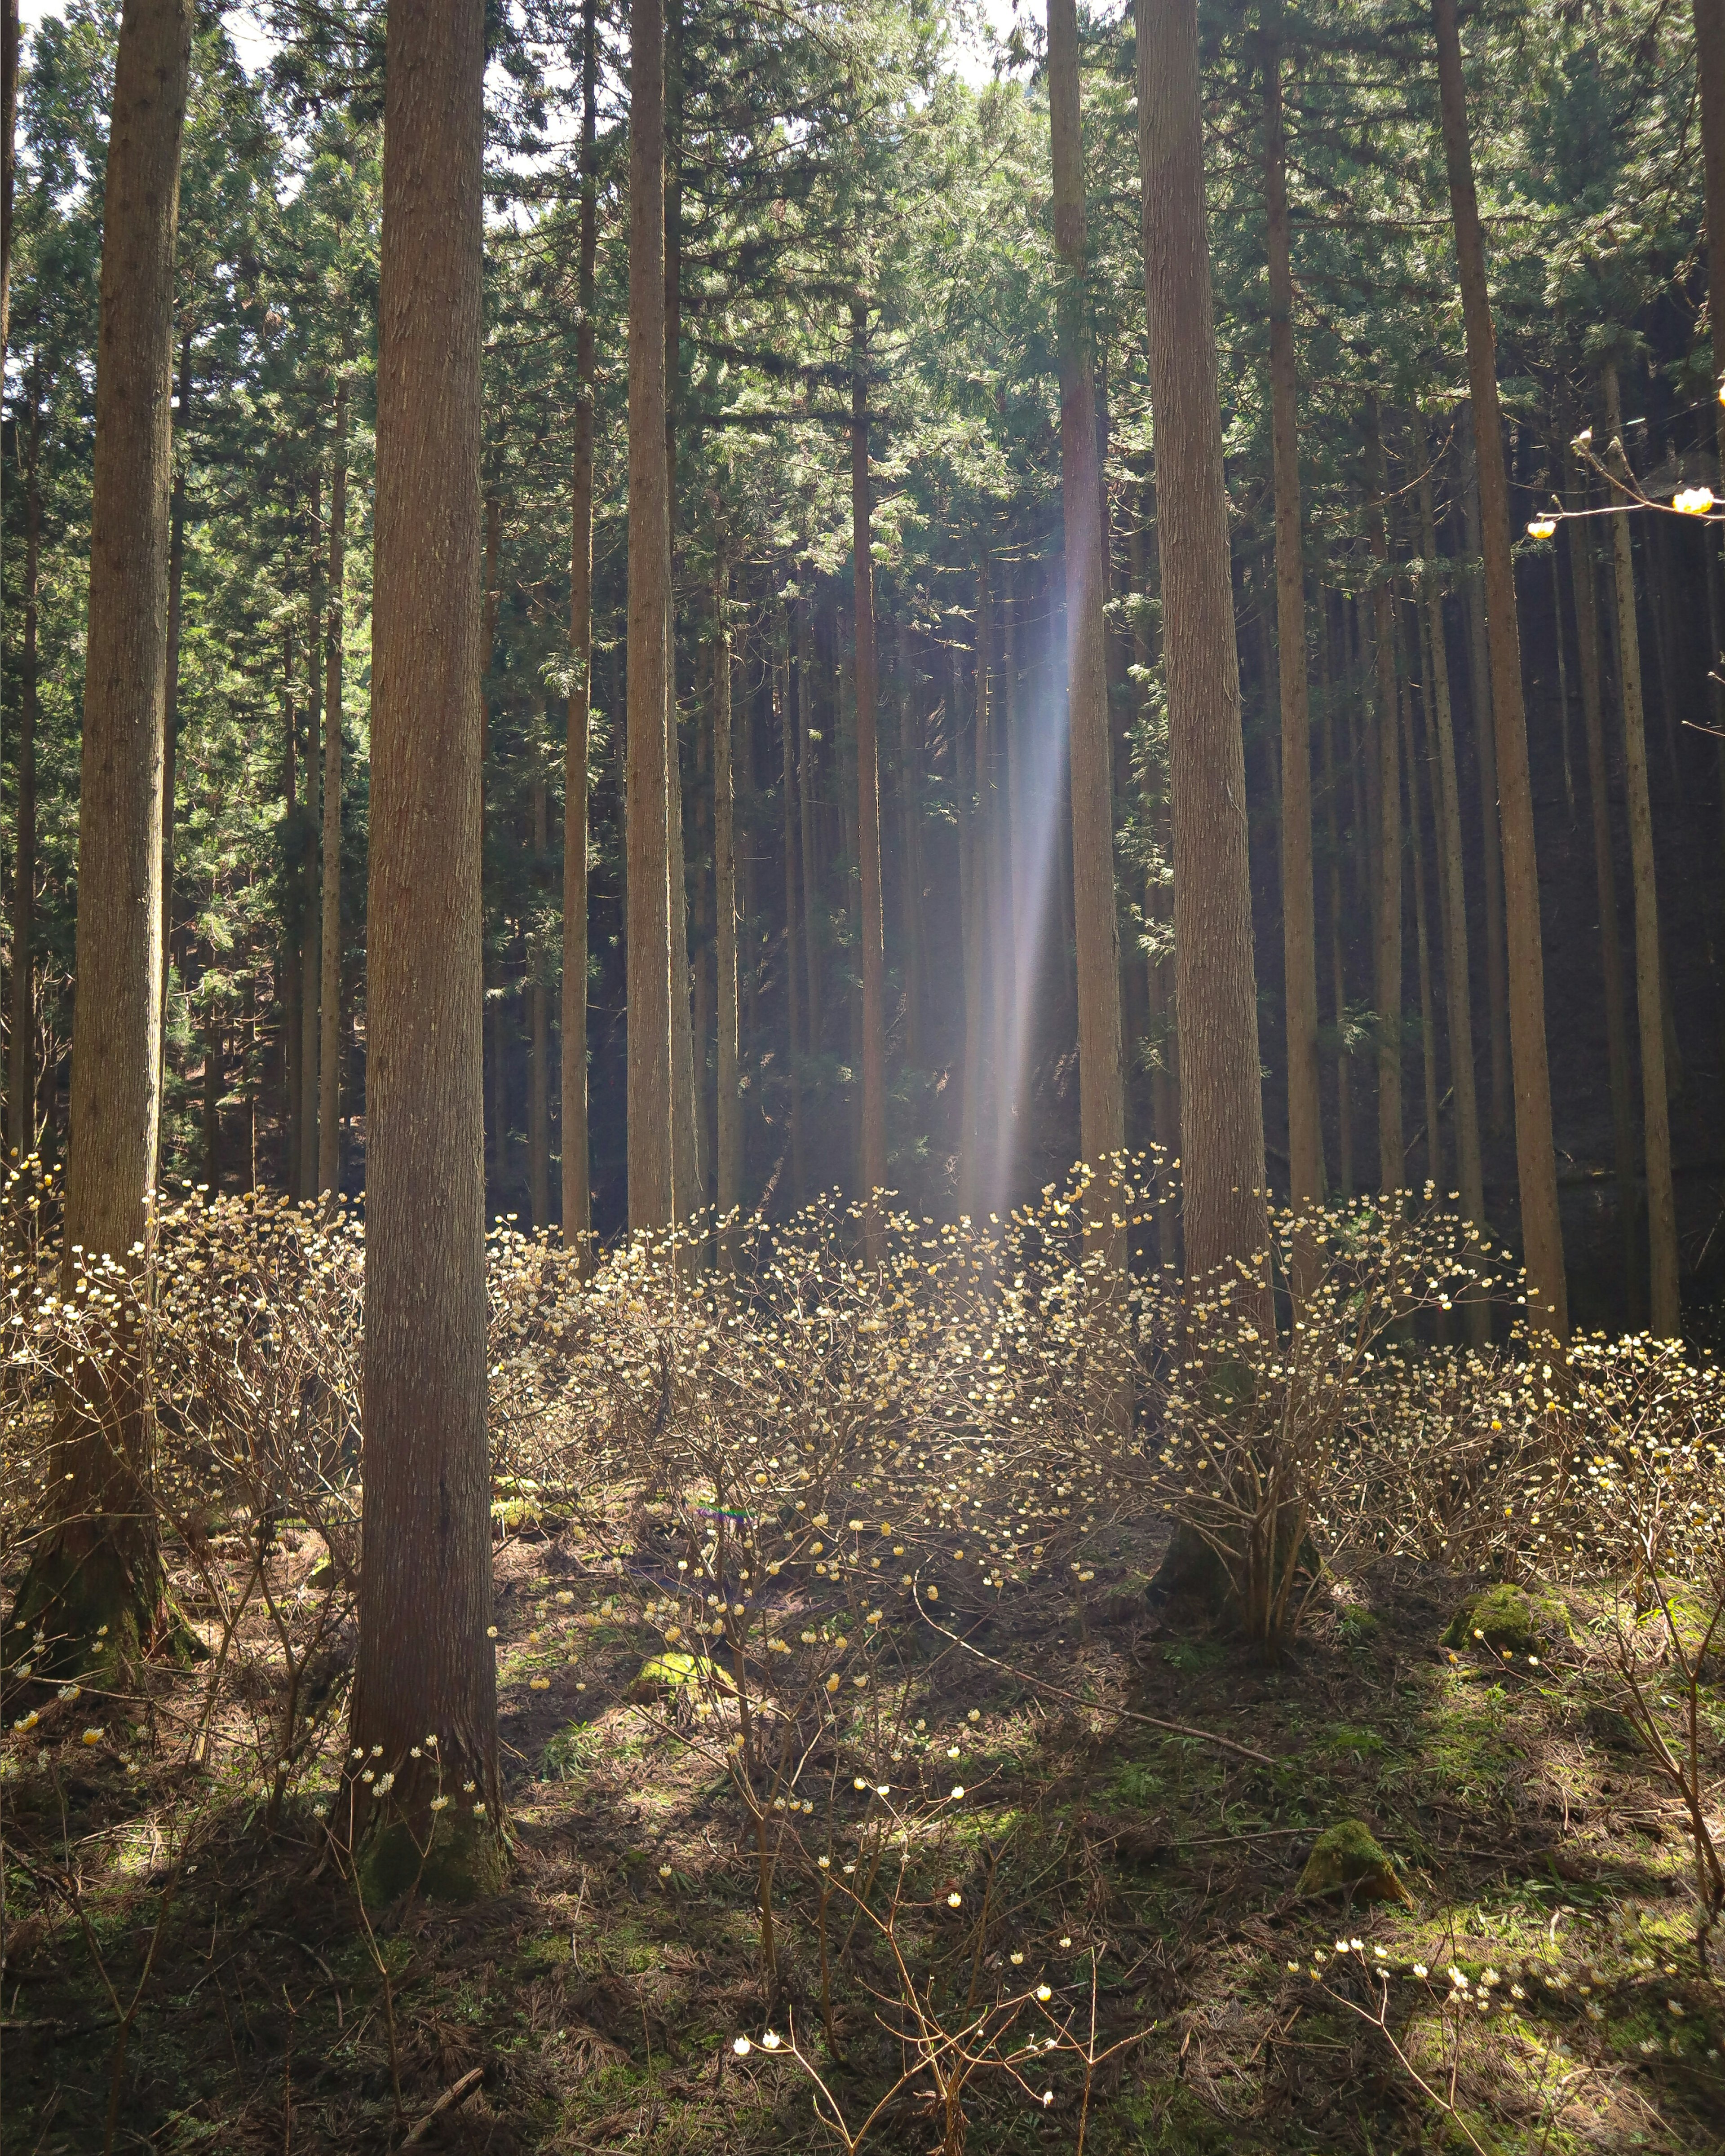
x,y
1387,910
577,1164
1536,1158
1101,1094
292,959
805,813
1479,670
9,52
910,861
792,909
867,800
650,979
1222,1111
729,1105
312,969
1422,948
329,1093
426,1668
98,1564
1665,1308
180,452
1338,966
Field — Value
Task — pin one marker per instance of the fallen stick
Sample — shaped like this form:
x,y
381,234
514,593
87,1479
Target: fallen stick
x,y
458,2093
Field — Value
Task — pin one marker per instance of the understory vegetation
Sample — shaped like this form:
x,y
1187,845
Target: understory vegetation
x,y
951,1703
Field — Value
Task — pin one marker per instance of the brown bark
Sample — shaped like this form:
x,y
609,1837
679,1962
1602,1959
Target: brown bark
x,y
425,1664
1306,1151
293,967
729,1105
1665,1307
794,1037
9,50
1478,667
1469,1169
1387,896
972,932
98,1563
805,812
329,1090
1338,967
649,973
910,869
171,723
1422,949
1585,591
21,1088
577,1173
212,1096
1222,1109
1102,1096
868,802
539,1015
1536,1161
311,967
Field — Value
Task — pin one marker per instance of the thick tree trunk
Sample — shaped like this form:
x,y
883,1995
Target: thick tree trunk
x,y
1470,1168
1101,1094
1665,1308
1222,1109
1306,1148
577,1173
728,1116
868,802
21,1087
1387,898
650,970
1710,78
426,1668
1584,590
95,1580
329,1090
1535,1159
1478,667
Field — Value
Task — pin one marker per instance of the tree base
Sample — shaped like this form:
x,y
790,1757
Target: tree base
x,y
464,1861
97,1613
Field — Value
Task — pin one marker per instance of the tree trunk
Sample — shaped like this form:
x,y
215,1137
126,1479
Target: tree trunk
x,y
329,1091
1101,1097
21,1089
1710,78
1387,909
650,973
792,937
312,972
293,965
9,52
171,723
1306,1147
1470,1168
868,804
212,1096
728,1115
539,1013
1585,591
805,810
96,1579
1479,662
1665,1307
577,1173
426,1669
1422,948
1338,965
1536,1161
910,869
974,944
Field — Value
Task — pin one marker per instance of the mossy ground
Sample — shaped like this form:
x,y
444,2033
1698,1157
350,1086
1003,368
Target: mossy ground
x,y
601,1989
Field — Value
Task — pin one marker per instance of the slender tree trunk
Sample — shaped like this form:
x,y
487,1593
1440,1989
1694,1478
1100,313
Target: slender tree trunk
x,y
577,1173
1338,964
212,1096
170,725
329,1091
1585,591
1666,1309
292,956
539,1013
793,936
1479,666
312,968
21,1089
649,973
974,941
805,810
426,1667
1557,616
1422,947
910,867
1535,1159
1470,1168
1222,1109
9,51
96,1579
1306,1151
868,802
1387,910
729,1107
1101,1094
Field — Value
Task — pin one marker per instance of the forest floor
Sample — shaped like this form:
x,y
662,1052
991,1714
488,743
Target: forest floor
x,y
1149,1878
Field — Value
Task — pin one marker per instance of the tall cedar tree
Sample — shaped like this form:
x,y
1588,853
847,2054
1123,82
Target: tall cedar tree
x,y
868,796
99,1564
1225,1208
426,1668
329,1090
1101,1099
1536,1156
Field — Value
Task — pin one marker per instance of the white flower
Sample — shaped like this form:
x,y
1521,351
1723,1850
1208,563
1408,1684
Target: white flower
x,y
741,2046
958,1788
769,2041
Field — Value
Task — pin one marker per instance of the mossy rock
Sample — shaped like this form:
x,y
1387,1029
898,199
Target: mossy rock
x,y
1505,1619
1347,1859
675,1671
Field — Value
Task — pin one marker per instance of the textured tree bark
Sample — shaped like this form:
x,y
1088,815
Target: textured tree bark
x,y
868,802
1338,961
99,1564
577,1172
329,1090
21,1085
9,47
1709,79
1665,1308
649,973
728,1116
1221,1098
1479,665
1535,1159
292,957
910,869
311,971
171,723
974,931
1387,898
539,1016
212,1096
1306,1146
793,936
1585,589
805,812
1101,1094
1422,949
426,1668
1470,1168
